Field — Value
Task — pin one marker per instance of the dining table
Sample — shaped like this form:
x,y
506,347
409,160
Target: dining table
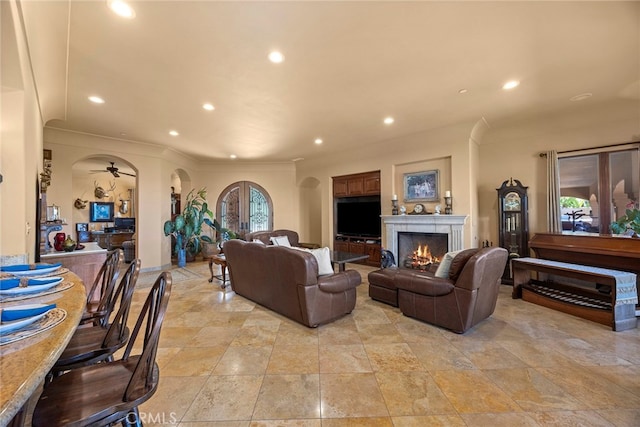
x,y
25,362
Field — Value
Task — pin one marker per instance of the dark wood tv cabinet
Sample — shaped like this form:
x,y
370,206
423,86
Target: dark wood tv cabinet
x,y
359,185
360,245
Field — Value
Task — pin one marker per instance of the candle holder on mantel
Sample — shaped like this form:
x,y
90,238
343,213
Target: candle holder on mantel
x,y
448,210
394,204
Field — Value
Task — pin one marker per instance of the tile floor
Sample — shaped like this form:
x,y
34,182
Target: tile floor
x,y
225,361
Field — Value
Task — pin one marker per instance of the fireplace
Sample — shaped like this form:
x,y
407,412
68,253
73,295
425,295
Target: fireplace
x,y
450,227
421,251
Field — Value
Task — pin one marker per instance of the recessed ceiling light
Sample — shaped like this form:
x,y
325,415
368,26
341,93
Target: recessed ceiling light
x,y
318,141
173,133
510,85
276,57
388,120
96,100
463,91
121,8
581,97
208,107
233,156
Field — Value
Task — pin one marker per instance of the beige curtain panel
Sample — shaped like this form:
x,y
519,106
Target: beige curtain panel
x,y
554,222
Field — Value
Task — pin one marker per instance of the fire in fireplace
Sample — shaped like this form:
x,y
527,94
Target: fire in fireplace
x,y
421,251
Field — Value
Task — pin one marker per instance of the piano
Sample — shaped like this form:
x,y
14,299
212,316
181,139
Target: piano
x,y
604,251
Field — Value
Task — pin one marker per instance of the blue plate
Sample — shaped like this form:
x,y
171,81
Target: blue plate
x,y
12,325
25,269
35,285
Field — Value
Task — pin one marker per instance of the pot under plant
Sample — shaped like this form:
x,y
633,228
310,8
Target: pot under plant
x,y
182,258
209,249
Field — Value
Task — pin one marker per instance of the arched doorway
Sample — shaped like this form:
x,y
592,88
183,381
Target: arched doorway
x,y
116,176
109,180
245,207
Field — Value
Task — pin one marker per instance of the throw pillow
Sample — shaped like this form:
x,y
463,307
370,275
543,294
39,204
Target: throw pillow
x,y
445,264
280,241
323,257
324,261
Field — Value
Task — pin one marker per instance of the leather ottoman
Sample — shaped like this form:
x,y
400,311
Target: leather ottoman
x,y
382,285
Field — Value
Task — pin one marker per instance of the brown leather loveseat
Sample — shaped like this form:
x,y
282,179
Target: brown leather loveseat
x,y
286,281
457,302
265,237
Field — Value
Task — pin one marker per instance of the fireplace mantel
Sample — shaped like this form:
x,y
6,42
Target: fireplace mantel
x,y
453,225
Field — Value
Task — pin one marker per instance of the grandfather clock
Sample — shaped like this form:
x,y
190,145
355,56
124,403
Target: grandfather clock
x,y
513,222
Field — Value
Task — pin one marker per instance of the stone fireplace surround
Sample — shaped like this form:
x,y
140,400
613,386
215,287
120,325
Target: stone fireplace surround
x,y
452,225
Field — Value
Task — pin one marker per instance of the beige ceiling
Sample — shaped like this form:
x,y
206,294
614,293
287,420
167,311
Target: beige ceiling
x,y
347,66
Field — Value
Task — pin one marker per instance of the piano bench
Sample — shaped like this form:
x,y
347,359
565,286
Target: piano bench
x,y
616,309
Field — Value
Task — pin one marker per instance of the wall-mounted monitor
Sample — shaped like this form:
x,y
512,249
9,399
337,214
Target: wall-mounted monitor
x,y
101,211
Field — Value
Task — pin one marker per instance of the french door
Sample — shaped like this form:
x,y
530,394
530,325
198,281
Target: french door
x,y
244,207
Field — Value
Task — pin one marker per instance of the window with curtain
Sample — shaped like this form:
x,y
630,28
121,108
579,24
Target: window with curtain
x,y
596,187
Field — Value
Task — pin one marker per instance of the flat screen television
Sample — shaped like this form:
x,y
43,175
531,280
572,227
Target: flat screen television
x,y
101,212
359,218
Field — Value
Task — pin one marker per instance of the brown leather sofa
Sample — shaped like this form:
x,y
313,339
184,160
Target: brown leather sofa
x,y
457,302
286,281
265,237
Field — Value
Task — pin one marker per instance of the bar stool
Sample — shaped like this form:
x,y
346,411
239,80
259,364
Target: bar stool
x,y
97,311
109,393
96,343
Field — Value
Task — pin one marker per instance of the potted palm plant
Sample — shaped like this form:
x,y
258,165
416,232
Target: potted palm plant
x,y
186,227
628,223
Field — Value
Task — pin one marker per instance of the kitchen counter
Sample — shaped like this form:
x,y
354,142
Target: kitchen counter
x,y
86,263
24,364
89,248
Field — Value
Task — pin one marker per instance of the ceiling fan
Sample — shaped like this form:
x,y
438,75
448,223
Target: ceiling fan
x,y
114,171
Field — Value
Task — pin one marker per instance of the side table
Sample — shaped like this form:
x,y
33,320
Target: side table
x,y
218,259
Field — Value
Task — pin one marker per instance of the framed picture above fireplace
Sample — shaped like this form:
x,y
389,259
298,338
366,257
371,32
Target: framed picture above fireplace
x,y
421,186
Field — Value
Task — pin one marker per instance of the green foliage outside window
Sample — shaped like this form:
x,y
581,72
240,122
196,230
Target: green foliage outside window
x,y
573,202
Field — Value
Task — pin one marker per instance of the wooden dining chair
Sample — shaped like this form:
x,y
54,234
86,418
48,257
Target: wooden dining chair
x,y
109,393
96,343
98,311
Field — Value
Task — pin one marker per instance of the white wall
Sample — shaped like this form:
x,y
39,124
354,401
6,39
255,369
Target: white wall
x,y
514,152
446,149
20,141
155,168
